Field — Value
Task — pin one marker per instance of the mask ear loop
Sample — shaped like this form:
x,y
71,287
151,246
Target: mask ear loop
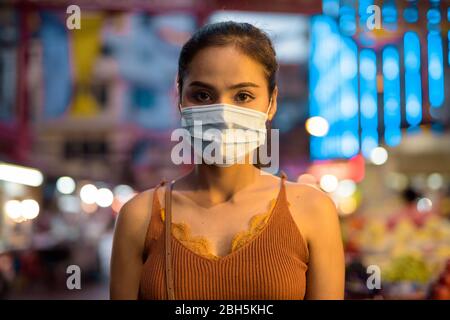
x,y
268,136
179,103
177,84
270,107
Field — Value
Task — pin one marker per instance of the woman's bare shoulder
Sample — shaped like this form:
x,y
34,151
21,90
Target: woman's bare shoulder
x,y
310,207
307,195
301,194
136,206
134,216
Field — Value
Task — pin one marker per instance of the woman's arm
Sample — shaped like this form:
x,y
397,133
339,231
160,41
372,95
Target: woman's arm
x,y
128,246
326,273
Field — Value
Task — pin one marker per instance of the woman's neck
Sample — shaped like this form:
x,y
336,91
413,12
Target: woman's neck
x,y
221,183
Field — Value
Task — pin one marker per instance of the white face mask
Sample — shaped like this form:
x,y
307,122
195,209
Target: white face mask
x,y
232,131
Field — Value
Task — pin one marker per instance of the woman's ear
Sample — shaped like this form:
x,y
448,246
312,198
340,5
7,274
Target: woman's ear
x,y
273,104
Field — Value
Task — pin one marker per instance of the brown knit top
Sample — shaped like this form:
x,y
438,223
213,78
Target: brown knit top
x,y
270,265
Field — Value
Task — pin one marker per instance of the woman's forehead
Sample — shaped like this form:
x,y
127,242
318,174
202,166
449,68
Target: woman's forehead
x,y
224,65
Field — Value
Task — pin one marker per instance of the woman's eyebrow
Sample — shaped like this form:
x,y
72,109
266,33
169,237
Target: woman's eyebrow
x,y
201,84
243,85
235,86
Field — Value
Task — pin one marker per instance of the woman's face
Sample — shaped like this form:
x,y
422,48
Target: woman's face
x,y
225,75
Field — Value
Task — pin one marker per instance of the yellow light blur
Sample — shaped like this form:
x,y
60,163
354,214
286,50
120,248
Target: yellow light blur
x,y
317,126
21,175
13,209
347,205
30,209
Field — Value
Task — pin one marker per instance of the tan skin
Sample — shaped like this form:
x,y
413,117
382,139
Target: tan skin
x,y
218,202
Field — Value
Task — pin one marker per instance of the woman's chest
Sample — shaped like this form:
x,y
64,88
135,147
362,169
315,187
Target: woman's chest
x,y
220,228
260,270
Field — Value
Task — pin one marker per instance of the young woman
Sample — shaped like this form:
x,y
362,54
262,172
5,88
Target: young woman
x,y
236,233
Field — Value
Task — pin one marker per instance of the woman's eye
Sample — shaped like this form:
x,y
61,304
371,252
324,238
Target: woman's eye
x,y
243,97
202,96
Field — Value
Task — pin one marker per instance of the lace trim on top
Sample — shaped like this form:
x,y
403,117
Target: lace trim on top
x,y
201,244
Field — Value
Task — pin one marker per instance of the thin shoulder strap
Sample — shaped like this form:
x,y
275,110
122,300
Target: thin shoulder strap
x,y
168,246
282,184
283,177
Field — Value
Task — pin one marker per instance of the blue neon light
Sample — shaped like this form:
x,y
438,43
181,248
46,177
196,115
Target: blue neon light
x,y
333,80
434,16
392,136
348,125
330,7
324,84
347,20
369,141
411,14
391,98
368,101
413,86
435,70
389,14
